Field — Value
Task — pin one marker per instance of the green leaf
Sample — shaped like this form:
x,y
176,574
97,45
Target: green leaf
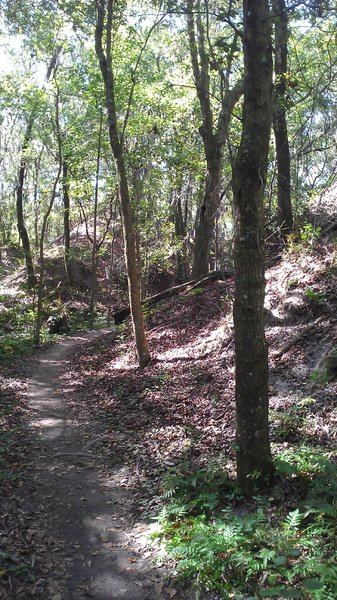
x,y
294,552
313,584
295,593
280,561
271,592
280,591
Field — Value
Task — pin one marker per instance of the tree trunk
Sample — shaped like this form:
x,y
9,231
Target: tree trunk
x,y
44,229
36,201
31,278
285,216
254,462
66,223
111,263
205,219
94,237
180,230
105,63
213,137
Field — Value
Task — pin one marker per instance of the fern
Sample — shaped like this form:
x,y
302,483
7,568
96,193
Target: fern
x,y
290,553
293,520
266,555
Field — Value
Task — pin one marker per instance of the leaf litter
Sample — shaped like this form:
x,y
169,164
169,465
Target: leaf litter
x,y
136,425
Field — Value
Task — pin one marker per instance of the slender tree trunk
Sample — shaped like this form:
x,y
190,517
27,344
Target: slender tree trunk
x,y
285,216
31,278
213,136
111,263
142,275
66,223
217,249
38,323
180,229
116,144
253,455
37,165
94,240
137,188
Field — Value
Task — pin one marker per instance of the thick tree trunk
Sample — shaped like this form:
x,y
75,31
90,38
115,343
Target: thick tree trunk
x,y
253,455
205,219
133,275
31,278
285,216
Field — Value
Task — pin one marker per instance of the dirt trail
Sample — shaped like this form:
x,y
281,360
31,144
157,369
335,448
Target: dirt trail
x,y
88,514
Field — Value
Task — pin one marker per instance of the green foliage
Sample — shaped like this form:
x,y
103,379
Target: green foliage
x,y
80,320
303,239
315,296
289,424
12,346
17,319
197,291
304,461
319,377
309,233
254,551
9,566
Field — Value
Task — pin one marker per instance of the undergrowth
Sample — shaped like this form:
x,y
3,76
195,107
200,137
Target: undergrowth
x,y
18,319
282,545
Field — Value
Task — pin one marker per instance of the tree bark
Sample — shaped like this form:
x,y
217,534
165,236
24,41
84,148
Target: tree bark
x,y
254,462
180,230
133,275
31,278
94,237
285,216
213,136
111,263
44,228
36,200
66,222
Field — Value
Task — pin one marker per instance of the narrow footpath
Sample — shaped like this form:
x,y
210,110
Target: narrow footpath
x,y
98,549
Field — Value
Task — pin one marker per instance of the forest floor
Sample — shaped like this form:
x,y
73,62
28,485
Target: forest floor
x,y
87,438
68,519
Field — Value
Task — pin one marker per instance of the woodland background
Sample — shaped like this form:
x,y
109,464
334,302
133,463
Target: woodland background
x,y
177,105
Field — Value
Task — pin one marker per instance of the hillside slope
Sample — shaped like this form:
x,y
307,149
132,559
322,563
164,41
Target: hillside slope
x,y
178,415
